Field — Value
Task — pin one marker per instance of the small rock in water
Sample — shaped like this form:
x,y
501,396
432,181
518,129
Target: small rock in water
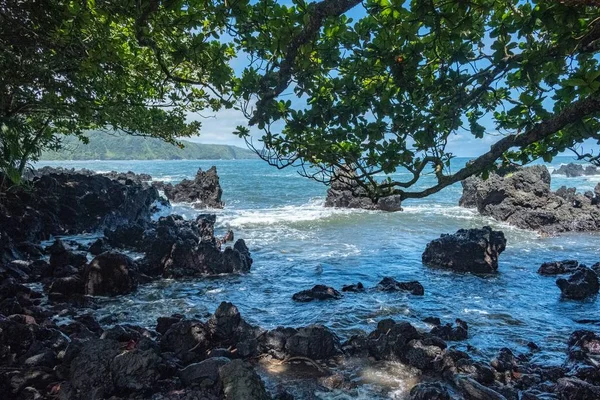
x,y
582,284
204,191
318,292
468,250
389,284
558,267
358,287
452,333
109,274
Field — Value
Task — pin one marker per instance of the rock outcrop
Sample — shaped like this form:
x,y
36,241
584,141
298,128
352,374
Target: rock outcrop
x,y
468,250
318,292
523,198
572,170
204,191
583,283
344,192
109,274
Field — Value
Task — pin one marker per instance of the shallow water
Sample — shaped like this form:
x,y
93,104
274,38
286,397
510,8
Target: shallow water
x,y
297,243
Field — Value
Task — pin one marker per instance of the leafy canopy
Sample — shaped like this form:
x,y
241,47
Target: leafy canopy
x,y
140,67
386,91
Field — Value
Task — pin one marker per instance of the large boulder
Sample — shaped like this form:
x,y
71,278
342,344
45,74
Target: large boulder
x,y
204,191
582,284
468,250
240,381
523,198
109,274
573,170
314,341
344,192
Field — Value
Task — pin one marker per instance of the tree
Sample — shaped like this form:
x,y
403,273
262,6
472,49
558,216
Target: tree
x,y
134,66
385,92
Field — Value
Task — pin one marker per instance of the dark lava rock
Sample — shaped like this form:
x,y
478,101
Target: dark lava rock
x,y
582,284
577,389
429,391
99,246
432,320
452,333
389,284
314,341
468,250
164,323
61,256
203,374
358,287
558,267
136,370
422,354
344,192
240,381
505,361
523,198
204,191
188,339
390,340
318,292
109,274
67,286
572,170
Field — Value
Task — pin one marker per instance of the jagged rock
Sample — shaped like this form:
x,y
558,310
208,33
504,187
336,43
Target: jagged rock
x,y
99,246
422,354
572,170
582,284
390,340
468,250
188,339
429,391
136,370
318,292
314,341
164,323
389,284
344,192
109,274
67,286
61,256
203,374
523,198
558,267
577,389
240,381
204,191
452,333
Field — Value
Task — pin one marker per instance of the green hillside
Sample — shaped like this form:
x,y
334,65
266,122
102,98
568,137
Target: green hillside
x,y
110,146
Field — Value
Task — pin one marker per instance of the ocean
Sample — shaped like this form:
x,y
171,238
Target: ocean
x,y
296,243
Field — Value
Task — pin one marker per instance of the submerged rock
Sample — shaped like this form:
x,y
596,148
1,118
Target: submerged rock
x,y
344,192
582,284
318,292
468,250
523,198
389,284
204,191
355,287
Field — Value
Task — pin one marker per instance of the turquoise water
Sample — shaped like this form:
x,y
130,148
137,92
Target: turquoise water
x,y
297,243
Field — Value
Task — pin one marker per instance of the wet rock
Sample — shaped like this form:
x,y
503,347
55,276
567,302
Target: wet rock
x,y
89,368
475,390
164,323
204,191
188,339
389,284
99,246
344,192
355,287
523,198
558,267
572,170
468,250
109,274
582,284
505,361
61,256
314,341
135,370
390,340
422,354
432,320
429,391
18,270
273,342
240,381
203,374
318,292
67,286
126,236
452,333
576,389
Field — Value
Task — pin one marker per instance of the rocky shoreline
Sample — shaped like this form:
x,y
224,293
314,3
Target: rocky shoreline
x,y
183,357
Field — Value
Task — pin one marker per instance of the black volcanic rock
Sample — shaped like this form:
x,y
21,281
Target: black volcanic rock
x,y
204,191
344,192
582,284
468,250
318,292
523,198
558,267
109,274
572,170
389,284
